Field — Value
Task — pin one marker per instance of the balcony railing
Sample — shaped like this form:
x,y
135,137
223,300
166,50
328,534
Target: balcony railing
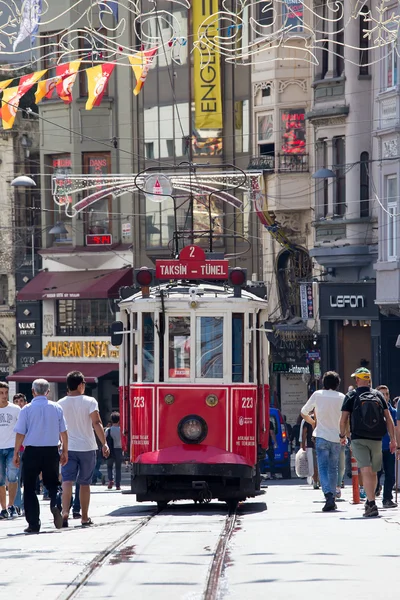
x,y
87,330
292,163
262,163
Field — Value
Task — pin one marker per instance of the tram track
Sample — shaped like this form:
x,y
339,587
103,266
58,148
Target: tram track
x,y
212,585
98,561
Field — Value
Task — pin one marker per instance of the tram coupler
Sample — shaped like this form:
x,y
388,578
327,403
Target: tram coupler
x,y
199,485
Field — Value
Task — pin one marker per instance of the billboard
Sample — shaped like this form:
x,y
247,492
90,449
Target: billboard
x,y
293,131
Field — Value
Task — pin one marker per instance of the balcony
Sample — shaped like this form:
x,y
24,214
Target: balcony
x,y
292,163
262,163
87,330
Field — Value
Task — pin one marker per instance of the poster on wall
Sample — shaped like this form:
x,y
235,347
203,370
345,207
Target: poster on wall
x,y
294,395
265,127
293,131
293,14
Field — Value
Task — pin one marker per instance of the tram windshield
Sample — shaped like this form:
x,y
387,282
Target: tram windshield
x,y
179,347
209,347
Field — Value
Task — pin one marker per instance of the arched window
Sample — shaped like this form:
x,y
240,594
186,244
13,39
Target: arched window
x,y
363,41
293,267
364,184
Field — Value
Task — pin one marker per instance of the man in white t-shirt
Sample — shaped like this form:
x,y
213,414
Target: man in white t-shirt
x,y
8,471
83,419
327,404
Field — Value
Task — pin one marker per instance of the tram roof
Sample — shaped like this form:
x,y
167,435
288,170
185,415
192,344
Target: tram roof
x,y
180,290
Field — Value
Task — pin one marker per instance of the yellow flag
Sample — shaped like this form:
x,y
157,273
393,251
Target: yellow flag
x,y
46,88
4,84
12,96
97,78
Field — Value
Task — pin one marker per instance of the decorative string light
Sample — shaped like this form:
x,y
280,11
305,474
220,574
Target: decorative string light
x,y
248,31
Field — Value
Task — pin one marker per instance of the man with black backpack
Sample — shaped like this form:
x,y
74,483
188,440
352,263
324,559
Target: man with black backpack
x,y
370,420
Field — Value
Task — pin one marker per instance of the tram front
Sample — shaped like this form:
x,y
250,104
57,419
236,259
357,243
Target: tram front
x,y
194,398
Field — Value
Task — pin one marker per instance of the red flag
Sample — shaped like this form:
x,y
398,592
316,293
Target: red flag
x,y
68,73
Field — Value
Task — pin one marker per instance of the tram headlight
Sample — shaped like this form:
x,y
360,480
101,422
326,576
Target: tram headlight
x,y
211,400
192,429
169,399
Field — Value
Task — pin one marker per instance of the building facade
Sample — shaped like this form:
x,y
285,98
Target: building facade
x,y
283,149
166,124
346,218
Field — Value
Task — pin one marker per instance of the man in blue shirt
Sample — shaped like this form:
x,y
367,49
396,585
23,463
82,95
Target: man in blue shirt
x,y
39,428
388,459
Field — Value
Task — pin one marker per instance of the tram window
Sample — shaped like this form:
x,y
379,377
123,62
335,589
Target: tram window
x,y
148,346
237,347
179,347
210,344
251,349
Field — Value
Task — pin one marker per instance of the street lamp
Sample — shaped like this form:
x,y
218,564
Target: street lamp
x,y
23,181
324,173
58,229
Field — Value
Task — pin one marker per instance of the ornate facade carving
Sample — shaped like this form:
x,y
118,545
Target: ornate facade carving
x,y
328,121
284,83
48,324
390,148
262,85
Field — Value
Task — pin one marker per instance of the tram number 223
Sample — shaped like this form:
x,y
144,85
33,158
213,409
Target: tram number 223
x,y
247,402
138,402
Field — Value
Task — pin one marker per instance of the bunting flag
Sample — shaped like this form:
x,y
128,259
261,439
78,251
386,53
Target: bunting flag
x,y
141,63
46,88
97,79
67,72
4,84
12,96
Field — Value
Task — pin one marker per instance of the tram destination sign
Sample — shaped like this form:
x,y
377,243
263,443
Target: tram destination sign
x,y
192,264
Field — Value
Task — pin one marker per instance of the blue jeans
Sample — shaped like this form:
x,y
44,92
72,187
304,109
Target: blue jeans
x,y
76,506
328,463
8,471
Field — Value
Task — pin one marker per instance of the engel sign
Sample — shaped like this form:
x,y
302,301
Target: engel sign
x,y
343,301
192,264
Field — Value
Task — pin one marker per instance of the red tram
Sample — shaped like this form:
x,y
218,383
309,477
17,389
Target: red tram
x,y
194,401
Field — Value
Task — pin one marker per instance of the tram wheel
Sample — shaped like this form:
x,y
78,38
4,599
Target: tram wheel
x,y
162,505
232,504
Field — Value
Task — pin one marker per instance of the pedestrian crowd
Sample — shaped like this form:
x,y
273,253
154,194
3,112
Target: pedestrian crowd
x,y
364,420
60,444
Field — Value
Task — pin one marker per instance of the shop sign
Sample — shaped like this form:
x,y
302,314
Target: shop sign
x,y
306,301
288,368
348,301
26,328
80,349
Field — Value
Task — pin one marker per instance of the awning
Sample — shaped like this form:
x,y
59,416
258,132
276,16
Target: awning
x,y
56,372
76,284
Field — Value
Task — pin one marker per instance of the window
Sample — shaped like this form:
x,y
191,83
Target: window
x,y
391,63
321,185
265,13
97,218
179,347
91,55
148,346
61,169
50,52
339,45
3,289
170,147
292,15
209,351
391,199
363,42
238,348
265,127
149,148
266,92
364,184
339,156
293,131
85,317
